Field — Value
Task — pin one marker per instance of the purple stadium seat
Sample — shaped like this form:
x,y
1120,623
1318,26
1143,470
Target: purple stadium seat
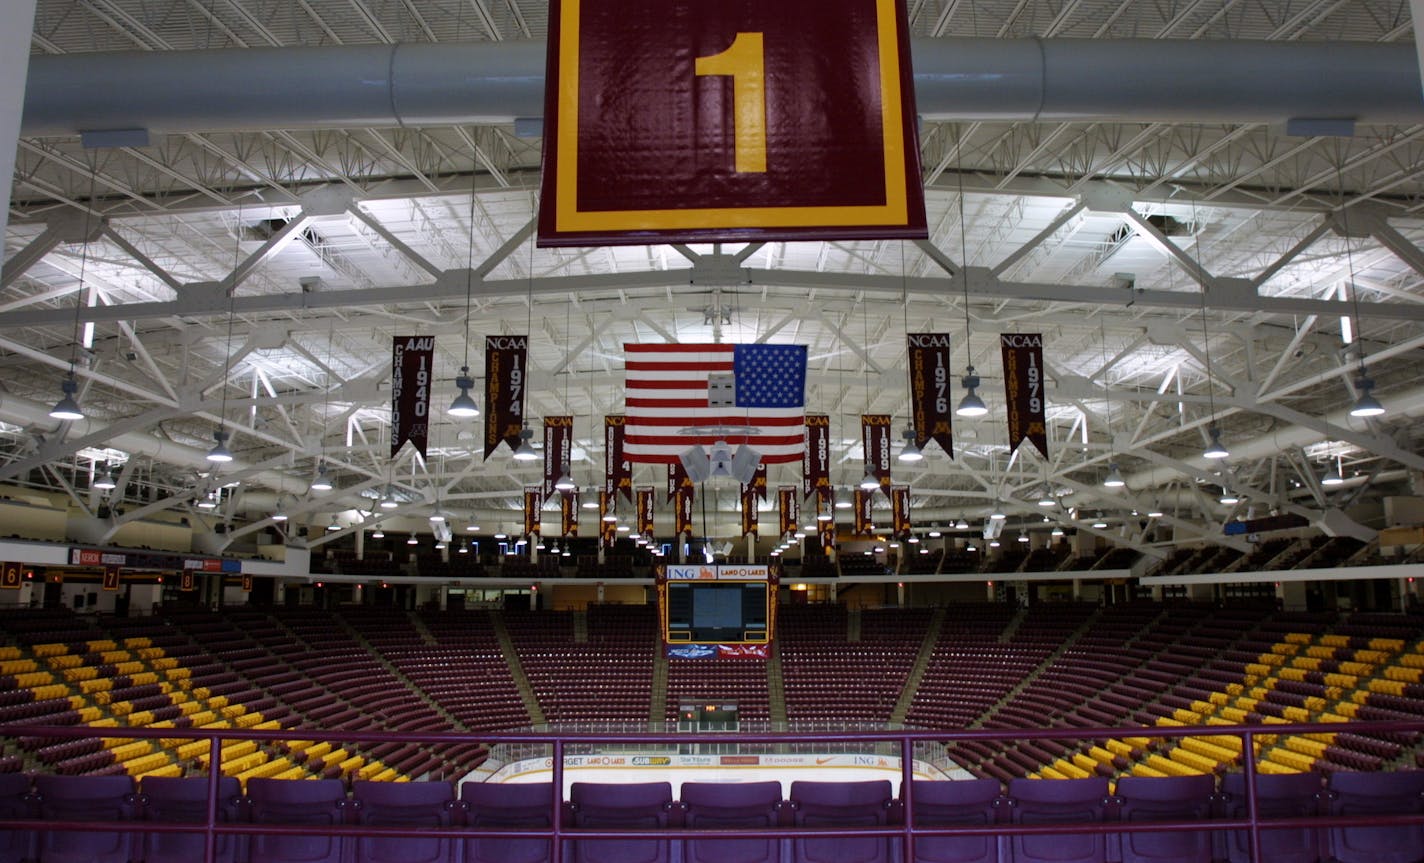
x,y
186,800
1400,793
404,804
515,807
732,804
637,804
312,802
1285,795
842,804
1058,801
964,803
85,798
15,803
1168,798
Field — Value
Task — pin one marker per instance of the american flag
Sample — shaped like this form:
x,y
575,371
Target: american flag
x,y
667,400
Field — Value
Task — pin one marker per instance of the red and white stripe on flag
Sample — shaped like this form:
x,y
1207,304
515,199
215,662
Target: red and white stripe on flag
x,y
667,396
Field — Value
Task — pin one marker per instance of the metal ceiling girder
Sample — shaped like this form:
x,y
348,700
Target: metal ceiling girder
x,y
210,300
412,84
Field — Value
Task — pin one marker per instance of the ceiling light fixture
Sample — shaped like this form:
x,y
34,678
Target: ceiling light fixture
x,y
321,482
378,534
280,514
1228,497
1366,405
388,500
1099,522
220,453
105,478
464,406
525,450
962,524
565,482
1332,476
971,405
334,526
67,408
1046,497
1214,448
1155,511
1114,478
869,481
911,450
1057,531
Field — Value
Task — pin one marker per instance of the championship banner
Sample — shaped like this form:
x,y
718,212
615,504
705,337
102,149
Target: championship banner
x,y
644,498
930,409
816,461
617,470
749,506
533,500
11,575
900,511
826,533
758,484
875,438
677,480
1023,389
111,578
607,530
787,505
505,358
188,582
683,120
568,512
864,520
412,358
682,503
558,441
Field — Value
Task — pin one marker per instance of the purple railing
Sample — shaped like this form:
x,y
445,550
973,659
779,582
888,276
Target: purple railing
x,y
1254,823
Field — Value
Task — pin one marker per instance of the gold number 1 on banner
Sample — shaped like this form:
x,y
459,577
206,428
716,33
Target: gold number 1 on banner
x,y
743,60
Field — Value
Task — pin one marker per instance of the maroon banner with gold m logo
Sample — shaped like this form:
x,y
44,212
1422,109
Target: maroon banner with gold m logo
x,y
412,360
875,438
930,409
504,390
1023,389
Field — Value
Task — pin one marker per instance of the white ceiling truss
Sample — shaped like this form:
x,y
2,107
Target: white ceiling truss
x,y
256,278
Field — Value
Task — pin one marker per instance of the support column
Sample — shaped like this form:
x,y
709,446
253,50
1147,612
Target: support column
x,y
17,22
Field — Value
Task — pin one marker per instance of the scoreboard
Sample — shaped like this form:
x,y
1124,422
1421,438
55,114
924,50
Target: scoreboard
x,y
724,606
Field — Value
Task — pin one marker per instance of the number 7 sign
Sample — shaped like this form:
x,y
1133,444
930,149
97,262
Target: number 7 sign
x,y
709,120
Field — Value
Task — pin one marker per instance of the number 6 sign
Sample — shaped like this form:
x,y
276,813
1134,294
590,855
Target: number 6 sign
x,y
703,120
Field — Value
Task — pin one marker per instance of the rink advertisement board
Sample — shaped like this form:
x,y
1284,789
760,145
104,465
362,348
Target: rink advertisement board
x,y
716,610
684,120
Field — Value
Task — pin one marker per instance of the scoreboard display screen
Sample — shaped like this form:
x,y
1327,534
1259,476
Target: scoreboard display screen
x,y
717,612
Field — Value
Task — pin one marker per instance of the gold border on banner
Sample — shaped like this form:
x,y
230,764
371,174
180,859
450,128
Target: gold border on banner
x,y
570,219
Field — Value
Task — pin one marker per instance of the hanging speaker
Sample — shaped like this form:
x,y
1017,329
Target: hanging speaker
x,y
696,463
744,464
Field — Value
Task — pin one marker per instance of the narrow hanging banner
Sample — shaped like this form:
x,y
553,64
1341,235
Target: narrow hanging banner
x,y
875,437
816,460
864,520
617,470
644,497
412,358
1023,389
749,498
568,512
682,500
533,500
900,511
930,389
825,529
787,504
558,440
607,530
677,479
504,390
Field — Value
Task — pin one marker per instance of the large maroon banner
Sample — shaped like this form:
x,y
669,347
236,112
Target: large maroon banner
x,y
930,395
875,438
412,358
607,530
864,517
825,531
533,500
674,120
617,470
568,512
749,509
1023,389
900,511
644,507
504,390
816,460
788,506
682,501
558,442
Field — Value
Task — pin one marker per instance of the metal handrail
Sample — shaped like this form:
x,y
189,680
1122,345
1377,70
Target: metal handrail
x,y
908,831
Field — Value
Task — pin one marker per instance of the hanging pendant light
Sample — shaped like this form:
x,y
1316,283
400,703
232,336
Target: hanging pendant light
x,y
525,450
1214,449
1365,406
321,482
911,450
388,500
378,534
1114,478
565,482
1099,522
1332,477
105,479
280,515
463,406
971,405
1046,498
67,408
220,453
869,482
962,524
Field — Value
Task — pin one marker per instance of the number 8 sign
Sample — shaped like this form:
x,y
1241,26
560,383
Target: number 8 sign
x,y
681,120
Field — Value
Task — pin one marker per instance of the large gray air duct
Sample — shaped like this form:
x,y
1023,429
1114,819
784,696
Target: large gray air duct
x,y
1135,80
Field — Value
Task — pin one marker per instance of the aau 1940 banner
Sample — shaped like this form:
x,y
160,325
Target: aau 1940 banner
x,y
411,361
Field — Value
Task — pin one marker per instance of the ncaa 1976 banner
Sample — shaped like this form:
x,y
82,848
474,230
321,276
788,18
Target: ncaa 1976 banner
x,y
504,390
1023,389
411,360
930,394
